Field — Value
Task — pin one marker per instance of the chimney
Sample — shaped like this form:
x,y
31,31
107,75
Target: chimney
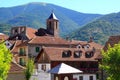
x,y
91,39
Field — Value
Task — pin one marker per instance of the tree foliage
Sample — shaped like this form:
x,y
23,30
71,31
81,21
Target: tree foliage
x,y
111,62
29,69
5,60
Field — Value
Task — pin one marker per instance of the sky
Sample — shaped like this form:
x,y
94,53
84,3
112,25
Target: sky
x,y
84,6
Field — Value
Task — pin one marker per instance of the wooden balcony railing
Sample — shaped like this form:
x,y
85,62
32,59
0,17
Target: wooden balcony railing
x,y
89,70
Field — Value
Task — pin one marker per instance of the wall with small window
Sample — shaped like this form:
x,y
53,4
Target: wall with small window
x,y
22,61
42,73
33,50
84,76
22,51
44,67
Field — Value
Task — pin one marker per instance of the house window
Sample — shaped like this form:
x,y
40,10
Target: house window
x,y
86,47
37,49
22,52
89,54
77,54
80,77
91,77
43,67
66,53
79,46
22,61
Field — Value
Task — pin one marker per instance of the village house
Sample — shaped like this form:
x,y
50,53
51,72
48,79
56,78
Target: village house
x,y
84,58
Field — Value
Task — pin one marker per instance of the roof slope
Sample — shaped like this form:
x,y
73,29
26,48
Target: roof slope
x,y
15,68
55,54
48,40
30,32
112,41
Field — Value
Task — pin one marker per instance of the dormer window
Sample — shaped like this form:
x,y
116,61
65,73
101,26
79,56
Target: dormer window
x,y
66,53
77,54
87,46
79,46
89,54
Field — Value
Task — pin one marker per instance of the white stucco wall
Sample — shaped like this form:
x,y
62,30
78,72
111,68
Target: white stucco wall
x,y
40,74
85,76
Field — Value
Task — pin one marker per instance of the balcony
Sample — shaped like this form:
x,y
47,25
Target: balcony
x,y
89,70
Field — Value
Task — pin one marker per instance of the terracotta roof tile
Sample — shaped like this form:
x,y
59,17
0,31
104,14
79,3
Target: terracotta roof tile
x,y
30,32
112,41
48,40
14,68
16,46
55,54
96,45
3,36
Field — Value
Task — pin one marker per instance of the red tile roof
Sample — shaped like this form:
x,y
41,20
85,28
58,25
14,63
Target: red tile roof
x,y
30,32
15,68
95,45
112,41
16,46
48,40
55,54
3,36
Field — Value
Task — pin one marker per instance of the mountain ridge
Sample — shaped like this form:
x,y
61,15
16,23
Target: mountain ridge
x,y
35,14
100,29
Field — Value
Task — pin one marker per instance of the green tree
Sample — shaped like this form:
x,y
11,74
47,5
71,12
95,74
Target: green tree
x,y
5,60
29,69
111,62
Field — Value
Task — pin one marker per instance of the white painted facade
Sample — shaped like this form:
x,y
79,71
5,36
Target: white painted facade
x,y
85,76
40,74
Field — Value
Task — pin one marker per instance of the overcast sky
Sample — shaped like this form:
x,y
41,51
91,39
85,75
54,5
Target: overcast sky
x,y
85,6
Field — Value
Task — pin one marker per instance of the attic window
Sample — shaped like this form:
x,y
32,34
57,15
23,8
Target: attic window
x,y
79,46
87,46
89,54
66,53
77,54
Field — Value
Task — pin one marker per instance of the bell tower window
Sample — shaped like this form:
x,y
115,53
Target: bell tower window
x,y
50,25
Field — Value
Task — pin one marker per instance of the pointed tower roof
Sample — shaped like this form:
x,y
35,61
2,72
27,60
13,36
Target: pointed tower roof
x,y
52,16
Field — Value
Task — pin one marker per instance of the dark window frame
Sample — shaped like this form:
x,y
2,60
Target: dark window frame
x,y
80,77
66,54
91,77
37,49
77,54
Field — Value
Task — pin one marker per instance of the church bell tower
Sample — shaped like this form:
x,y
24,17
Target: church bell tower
x,y
53,25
